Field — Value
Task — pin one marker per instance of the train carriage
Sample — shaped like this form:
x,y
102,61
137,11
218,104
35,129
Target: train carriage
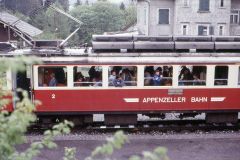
x,y
216,88
79,83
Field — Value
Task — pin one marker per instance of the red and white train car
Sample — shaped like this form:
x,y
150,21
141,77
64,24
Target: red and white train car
x,y
154,76
122,87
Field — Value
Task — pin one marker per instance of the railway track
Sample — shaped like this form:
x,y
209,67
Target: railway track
x,y
146,126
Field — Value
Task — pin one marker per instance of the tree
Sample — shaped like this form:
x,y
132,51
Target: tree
x,y
22,6
78,3
122,6
86,2
130,16
98,18
56,26
64,4
13,126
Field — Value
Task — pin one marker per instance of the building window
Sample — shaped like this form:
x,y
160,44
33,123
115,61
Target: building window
x,y
221,75
202,30
204,5
234,17
221,30
192,76
221,3
52,76
184,29
121,76
87,76
205,30
186,3
163,16
158,75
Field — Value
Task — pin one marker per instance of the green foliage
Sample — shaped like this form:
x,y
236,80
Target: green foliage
x,y
57,23
22,6
14,126
130,16
70,154
160,153
78,3
116,142
122,6
98,18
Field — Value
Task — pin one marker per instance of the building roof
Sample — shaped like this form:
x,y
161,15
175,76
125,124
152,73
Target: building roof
x,y
20,25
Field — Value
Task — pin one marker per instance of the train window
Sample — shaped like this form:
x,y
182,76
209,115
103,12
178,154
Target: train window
x,y
86,76
192,76
54,76
221,76
120,76
158,75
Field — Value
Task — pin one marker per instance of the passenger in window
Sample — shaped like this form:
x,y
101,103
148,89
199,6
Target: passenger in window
x,y
157,78
112,77
127,77
60,76
96,82
92,72
53,81
166,72
117,69
79,79
147,78
185,75
196,80
118,82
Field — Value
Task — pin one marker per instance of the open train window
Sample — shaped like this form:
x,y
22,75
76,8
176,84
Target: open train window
x,y
158,75
120,76
54,76
87,76
192,76
221,76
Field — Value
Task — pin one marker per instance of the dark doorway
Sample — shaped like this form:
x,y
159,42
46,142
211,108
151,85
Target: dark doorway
x,y
23,82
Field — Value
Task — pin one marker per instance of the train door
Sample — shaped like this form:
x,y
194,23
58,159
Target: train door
x,y
23,81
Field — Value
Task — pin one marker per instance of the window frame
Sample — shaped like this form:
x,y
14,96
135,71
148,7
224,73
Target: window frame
x,y
218,79
158,17
200,9
36,75
193,86
187,29
80,87
205,25
232,17
160,86
122,87
219,30
221,3
186,3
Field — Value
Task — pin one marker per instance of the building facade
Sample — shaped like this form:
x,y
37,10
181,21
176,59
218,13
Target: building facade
x,y
188,17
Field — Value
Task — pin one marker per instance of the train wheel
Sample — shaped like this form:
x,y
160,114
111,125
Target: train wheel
x,y
120,119
228,117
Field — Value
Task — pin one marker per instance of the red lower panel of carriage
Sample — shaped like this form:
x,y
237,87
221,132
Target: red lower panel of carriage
x,y
137,100
9,106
